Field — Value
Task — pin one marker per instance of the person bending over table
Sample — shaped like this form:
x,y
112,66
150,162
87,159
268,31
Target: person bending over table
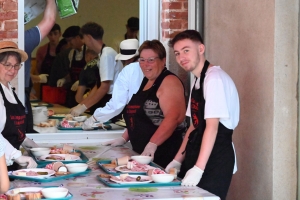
x,y
127,84
155,114
12,111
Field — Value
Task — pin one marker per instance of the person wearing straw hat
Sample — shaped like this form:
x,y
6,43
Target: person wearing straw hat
x,y
127,84
12,111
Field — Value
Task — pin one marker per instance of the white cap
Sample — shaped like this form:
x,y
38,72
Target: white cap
x,y
128,49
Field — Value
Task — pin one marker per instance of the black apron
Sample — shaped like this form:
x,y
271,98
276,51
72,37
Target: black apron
x,y
106,97
74,71
141,128
46,67
15,126
218,171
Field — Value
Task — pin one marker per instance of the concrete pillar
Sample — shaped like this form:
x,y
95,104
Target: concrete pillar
x,y
256,42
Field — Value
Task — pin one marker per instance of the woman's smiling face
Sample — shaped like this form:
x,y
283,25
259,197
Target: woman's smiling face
x,y
5,74
151,64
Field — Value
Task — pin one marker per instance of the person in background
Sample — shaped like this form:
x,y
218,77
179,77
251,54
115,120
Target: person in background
x,y
46,54
32,38
4,181
127,84
155,115
206,157
12,111
61,63
109,69
88,76
132,30
77,62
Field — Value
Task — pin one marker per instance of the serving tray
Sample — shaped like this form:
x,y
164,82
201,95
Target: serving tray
x,y
110,183
50,178
116,173
107,127
83,157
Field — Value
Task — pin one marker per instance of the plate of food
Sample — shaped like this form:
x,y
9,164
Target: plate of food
x,y
134,167
25,191
57,116
60,157
34,172
131,179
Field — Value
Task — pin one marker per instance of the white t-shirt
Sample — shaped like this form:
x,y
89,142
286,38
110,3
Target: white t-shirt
x,y
127,84
221,99
10,152
109,68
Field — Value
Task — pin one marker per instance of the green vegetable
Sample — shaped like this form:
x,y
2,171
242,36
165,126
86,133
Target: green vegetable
x,y
42,173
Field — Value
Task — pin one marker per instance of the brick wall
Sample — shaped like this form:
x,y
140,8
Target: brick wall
x,y
9,20
174,17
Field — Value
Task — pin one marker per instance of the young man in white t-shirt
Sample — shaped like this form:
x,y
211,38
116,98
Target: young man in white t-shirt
x,y
206,157
109,68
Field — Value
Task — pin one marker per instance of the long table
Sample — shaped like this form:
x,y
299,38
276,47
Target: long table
x,y
87,187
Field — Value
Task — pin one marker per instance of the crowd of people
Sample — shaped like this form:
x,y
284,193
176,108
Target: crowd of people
x,y
131,82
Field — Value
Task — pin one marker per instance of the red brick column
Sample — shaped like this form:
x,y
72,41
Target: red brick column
x,y
174,15
9,20
174,19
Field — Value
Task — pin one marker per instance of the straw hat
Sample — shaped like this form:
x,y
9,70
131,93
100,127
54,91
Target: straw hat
x,y
128,49
6,46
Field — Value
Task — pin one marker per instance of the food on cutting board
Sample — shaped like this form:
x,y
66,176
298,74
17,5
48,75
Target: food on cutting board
x,y
48,123
31,173
70,124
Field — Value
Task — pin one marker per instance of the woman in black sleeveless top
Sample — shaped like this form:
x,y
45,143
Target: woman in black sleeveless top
x,y
155,114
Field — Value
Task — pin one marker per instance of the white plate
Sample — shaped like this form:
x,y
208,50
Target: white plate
x,y
129,170
25,189
50,172
134,182
73,157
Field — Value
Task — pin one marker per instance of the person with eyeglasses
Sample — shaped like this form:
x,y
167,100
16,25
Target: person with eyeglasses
x,y
12,111
155,115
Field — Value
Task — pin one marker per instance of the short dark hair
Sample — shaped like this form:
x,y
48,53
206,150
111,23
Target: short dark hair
x,y
133,23
187,34
154,45
72,31
93,29
55,27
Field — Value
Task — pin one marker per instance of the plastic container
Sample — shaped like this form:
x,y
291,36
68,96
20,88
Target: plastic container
x,y
54,94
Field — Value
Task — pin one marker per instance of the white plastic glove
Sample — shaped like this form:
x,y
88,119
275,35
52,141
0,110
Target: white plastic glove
x,y
60,82
26,161
192,177
43,78
116,142
78,110
87,125
28,144
149,149
173,164
75,86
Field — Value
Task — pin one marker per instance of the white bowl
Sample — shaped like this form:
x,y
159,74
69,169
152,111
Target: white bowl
x,y
55,192
142,159
40,151
76,167
162,178
80,118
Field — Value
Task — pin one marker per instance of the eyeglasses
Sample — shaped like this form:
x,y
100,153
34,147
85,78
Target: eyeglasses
x,y
9,66
149,60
